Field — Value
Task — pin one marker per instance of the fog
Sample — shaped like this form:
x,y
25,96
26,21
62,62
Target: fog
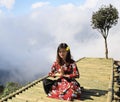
x,y
28,42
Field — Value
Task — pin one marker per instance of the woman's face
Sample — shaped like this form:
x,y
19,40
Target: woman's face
x,y
63,53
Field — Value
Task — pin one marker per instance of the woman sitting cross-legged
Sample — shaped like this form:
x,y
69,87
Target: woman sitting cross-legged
x,y
65,68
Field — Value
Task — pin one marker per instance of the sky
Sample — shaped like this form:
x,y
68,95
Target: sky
x,y
31,30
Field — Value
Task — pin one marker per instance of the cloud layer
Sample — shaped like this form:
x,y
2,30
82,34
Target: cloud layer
x,y
28,42
7,3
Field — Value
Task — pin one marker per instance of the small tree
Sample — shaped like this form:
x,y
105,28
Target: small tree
x,y
10,87
1,89
103,20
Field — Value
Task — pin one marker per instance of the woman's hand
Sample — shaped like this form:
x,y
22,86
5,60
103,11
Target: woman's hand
x,y
60,73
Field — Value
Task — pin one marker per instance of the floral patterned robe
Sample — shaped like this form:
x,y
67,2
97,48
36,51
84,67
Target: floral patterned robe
x,y
65,88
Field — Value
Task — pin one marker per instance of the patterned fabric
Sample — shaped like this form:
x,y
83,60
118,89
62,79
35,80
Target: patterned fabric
x,y
65,88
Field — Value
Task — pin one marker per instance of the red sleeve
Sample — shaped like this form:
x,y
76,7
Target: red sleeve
x,y
53,69
75,72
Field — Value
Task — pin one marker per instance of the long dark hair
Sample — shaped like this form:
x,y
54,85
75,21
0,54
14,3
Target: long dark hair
x,y
68,56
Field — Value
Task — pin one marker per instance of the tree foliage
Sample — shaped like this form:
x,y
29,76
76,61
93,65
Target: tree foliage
x,y
1,89
104,19
10,87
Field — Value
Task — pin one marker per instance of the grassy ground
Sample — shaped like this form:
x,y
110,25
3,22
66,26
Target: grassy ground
x,y
95,76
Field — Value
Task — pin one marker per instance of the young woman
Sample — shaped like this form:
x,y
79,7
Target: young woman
x,y
65,87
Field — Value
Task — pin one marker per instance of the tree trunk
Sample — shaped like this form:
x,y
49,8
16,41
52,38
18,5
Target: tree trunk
x,y
106,48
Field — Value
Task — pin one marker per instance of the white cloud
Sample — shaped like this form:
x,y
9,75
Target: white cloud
x,y
39,4
30,42
0,11
7,3
90,4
